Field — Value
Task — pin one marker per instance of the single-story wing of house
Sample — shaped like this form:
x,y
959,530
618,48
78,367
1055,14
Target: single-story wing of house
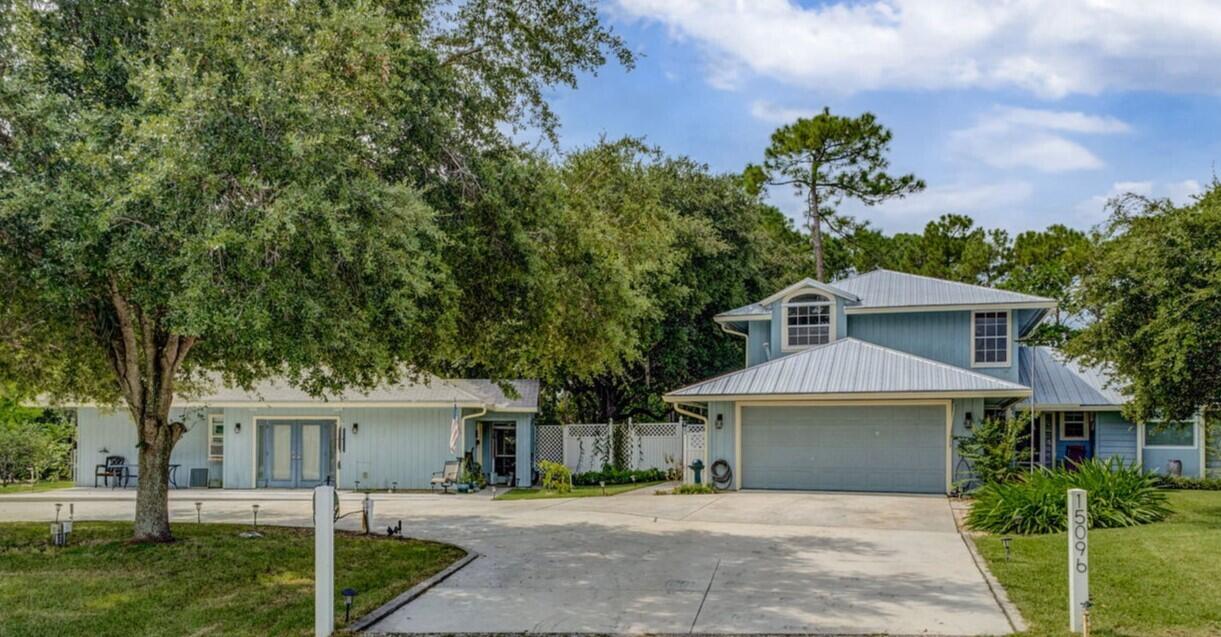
x,y
865,383
280,437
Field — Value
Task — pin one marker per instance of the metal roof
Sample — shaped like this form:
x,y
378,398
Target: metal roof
x,y
849,366
1059,381
465,392
889,289
754,309
886,288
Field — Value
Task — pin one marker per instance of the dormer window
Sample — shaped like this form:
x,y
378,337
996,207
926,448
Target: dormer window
x,y
990,343
808,321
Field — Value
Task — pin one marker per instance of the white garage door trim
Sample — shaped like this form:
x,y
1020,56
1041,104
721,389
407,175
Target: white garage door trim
x,y
737,425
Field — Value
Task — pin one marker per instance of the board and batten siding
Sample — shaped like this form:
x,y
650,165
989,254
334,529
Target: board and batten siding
x,y
99,428
1116,437
758,339
940,336
720,442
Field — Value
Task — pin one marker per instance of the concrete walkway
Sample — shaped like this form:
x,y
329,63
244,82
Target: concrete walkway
x,y
751,562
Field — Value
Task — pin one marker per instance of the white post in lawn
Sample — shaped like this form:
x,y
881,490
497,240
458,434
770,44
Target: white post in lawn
x,y
324,561
1078,559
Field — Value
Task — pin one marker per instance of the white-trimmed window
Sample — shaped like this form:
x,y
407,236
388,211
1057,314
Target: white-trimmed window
x,y
808,321
1179,434
990,339
216,437
1074,426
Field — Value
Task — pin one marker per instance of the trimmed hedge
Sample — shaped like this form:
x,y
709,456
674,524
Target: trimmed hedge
x,y
613,475
1119,495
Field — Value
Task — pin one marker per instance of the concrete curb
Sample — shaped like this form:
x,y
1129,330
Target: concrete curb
x,y
994,586
381,612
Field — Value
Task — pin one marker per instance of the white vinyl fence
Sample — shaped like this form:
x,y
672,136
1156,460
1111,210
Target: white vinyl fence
x,y
635,445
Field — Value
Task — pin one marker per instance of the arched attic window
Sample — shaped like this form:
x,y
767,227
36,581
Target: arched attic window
x,y
808,321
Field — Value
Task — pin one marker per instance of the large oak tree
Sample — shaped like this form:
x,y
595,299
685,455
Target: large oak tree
x,y
194,189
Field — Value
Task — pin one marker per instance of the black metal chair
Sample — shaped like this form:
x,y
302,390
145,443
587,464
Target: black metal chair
x,y
111,468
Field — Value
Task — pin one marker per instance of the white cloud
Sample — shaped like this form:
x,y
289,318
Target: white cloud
x,y
1010,137
773,114
992,205
1050,48
966,199
1180,192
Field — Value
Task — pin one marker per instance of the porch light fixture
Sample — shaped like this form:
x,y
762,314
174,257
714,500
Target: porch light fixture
x,y
237,427
720,421
355,428
349,594
968,421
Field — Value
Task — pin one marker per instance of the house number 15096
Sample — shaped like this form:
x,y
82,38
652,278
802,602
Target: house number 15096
x,y
1078,558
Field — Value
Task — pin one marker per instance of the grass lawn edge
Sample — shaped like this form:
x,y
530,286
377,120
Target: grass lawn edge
x,y
584,491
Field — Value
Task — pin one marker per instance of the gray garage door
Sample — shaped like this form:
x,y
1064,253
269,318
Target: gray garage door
x,y
844,448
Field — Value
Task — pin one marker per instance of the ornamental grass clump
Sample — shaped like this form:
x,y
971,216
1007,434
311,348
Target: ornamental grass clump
x,y
1119,495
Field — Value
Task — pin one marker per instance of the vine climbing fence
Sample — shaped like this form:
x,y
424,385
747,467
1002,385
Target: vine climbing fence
x,y
635,445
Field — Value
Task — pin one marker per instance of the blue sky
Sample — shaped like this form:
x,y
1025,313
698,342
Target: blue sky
x,y
1020,115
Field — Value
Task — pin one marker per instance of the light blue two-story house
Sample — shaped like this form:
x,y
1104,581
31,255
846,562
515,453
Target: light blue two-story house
x,y
863,384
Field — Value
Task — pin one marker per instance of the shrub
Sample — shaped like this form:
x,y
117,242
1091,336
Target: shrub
x,y
1119,495
556,476
34,444
991,449
1195,484
689,489
613,475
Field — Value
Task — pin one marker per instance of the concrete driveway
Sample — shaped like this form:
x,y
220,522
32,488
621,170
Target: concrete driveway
x,y
750,562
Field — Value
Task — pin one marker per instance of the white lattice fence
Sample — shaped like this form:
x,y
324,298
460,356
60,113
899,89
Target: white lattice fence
x,y
549,443
695,438
587,446
655,445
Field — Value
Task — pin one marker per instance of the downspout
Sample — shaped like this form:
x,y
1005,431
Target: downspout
x,y
745,350
483,411
678,407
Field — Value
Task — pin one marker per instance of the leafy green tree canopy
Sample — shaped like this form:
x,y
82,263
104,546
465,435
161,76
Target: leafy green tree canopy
x,y
828,158
1152,292
254,189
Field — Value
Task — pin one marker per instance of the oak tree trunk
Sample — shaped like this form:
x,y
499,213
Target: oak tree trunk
x,y
157,441
146,358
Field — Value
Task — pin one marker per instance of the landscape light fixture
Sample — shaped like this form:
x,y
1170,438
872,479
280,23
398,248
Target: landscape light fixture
x,y
58,506
1007,541
255,509
602,483
349,594
198,506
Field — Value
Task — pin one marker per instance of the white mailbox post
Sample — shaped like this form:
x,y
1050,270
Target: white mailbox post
x,y
324,561
1078,559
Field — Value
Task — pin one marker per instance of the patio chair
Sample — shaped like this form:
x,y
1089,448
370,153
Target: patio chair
x,y
111,468
446,477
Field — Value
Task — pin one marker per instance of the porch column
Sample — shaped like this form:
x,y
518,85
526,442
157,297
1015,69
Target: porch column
x,y
525,449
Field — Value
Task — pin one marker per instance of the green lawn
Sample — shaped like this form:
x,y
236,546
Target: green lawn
x,y
577,492
208,582
26,487
1158,579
